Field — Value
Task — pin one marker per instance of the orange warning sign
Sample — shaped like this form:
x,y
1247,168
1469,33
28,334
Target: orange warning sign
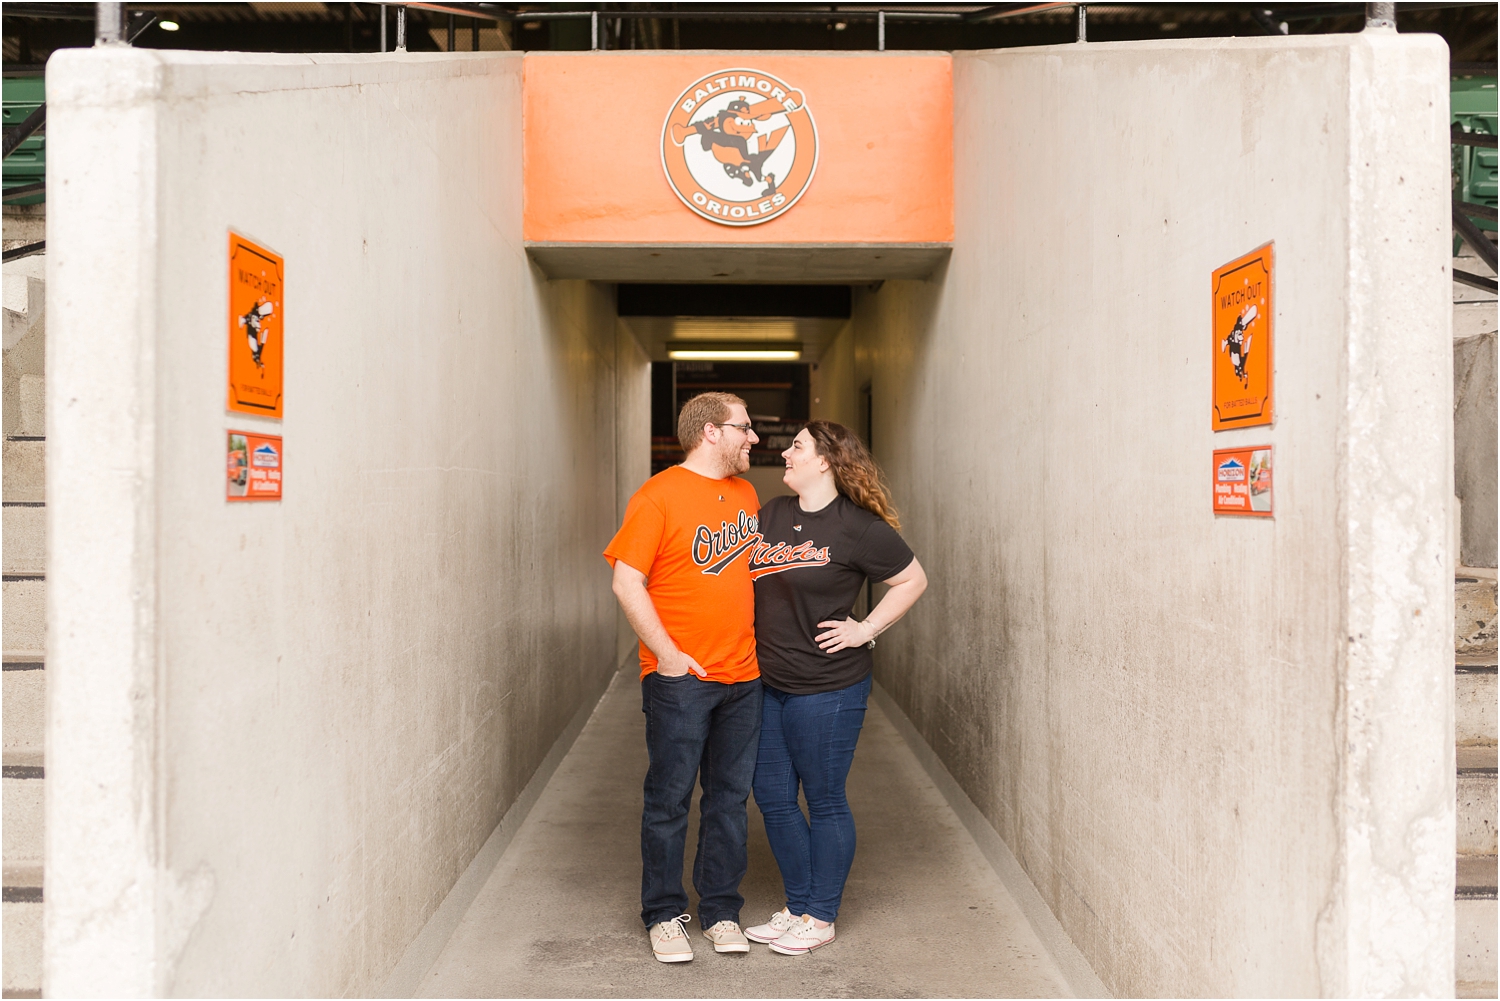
x,y
254,466
255,328
1243,340
1242,481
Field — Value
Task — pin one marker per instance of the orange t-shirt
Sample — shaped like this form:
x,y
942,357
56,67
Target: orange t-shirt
x,y
691,536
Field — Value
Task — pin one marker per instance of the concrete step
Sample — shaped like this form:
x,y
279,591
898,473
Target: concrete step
x,y
24,704
24,468
23,876
23,289
23,615
23,786
22,946
1477,695
31,419
23,894
24,313
1476,877
1474,617
1475,927
1473,319
23,827
1476,800
23,539
1476,700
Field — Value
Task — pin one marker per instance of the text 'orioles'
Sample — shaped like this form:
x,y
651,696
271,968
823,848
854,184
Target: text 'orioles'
x,y
715,550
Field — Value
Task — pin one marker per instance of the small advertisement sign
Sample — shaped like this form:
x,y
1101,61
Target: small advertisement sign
x,y
1243,340
1242,481
255,328
254,466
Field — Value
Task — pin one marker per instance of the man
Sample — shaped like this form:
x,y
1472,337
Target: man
x,y
680,572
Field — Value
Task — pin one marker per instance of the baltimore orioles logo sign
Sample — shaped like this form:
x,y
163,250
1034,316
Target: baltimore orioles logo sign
x,y
739,147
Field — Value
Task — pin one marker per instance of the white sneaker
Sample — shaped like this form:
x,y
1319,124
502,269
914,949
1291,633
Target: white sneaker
x,y
772,929
802,937
727,937
669,942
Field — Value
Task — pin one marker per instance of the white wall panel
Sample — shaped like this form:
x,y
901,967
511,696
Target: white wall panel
x,y
280,731
1221,747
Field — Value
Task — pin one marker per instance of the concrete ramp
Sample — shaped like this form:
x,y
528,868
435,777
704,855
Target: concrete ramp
x,y
924,915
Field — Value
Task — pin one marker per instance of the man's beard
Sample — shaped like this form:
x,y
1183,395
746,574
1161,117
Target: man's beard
x,y
733,461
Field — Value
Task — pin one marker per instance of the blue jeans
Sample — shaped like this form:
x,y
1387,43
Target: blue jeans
x,y
809,739
703,731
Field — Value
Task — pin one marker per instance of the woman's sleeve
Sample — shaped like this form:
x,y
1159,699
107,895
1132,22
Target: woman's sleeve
x,y
881,553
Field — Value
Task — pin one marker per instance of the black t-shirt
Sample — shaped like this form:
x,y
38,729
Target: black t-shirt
x,y
809,570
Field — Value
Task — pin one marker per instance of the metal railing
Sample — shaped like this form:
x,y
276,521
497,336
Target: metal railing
x,y
14,137
880,17
17,134
1476,238
114,25
1464,214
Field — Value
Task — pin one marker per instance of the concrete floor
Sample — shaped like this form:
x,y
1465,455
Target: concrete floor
x,y
924,914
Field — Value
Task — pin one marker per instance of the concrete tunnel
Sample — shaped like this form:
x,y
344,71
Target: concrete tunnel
x,y
290,744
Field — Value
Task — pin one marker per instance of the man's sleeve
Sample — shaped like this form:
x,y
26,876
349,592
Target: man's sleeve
x,y
639,538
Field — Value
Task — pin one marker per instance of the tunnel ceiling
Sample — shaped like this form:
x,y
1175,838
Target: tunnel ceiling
x,y
659,334
807,316
820,301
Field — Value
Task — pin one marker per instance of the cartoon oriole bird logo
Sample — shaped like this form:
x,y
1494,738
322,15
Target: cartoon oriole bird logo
x,y
739,146
257,331
1237,343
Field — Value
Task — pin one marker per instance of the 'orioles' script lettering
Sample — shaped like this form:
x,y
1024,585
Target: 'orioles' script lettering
x,y
716,550
769,558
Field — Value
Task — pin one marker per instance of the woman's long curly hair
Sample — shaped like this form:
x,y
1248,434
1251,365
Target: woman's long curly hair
x,y
854,471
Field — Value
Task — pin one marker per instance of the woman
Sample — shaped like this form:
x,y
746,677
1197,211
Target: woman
x,y
819,548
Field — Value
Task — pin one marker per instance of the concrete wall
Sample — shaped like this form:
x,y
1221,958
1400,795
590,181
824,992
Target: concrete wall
x,y
1475,440
25,329
835,394
1221,747
632,446
278,732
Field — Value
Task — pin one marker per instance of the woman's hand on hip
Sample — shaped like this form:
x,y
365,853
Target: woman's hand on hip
x,y
844,635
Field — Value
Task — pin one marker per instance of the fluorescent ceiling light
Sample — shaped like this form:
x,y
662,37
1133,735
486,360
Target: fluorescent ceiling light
x,y
737,331
735,354
169,26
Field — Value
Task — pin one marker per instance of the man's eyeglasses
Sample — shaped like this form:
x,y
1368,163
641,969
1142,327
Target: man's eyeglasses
x,y
743,427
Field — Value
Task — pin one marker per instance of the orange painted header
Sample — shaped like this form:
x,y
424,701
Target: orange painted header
x,y
738,147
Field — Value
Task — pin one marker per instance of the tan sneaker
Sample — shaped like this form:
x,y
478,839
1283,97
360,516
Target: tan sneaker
x,y
727,937
772,929
669,942
802,938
